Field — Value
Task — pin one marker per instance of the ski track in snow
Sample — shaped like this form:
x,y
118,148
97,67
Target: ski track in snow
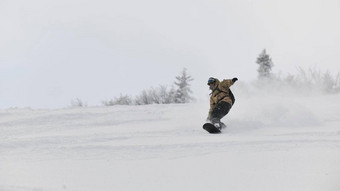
x,y
269,144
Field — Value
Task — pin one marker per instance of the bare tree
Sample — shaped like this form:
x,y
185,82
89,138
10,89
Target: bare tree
x,y
121,100
78,103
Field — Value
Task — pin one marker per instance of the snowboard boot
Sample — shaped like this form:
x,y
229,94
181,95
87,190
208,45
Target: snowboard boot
x,y
218,125
223,125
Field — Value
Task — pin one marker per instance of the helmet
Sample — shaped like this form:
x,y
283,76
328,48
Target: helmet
x,y
211,80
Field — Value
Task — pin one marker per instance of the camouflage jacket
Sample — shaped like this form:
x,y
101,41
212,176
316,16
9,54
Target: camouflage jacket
x,y
221,92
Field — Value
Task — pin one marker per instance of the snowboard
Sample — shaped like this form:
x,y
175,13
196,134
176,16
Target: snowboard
x,y
211,128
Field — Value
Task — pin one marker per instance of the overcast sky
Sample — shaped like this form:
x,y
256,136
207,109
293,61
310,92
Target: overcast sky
x,y
54,51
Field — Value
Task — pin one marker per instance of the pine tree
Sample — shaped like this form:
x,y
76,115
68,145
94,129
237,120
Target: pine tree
x,y
182,94
266,65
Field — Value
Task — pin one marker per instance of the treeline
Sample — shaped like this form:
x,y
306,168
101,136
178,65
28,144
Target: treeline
x,y
305,81
311,80
179,92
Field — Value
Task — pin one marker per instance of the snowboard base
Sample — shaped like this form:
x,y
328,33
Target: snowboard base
x,y
211,128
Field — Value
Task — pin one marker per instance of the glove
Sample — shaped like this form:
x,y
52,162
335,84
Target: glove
x,y
234,80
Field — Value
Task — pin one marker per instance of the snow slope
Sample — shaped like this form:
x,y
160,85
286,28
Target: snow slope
x,y
271,143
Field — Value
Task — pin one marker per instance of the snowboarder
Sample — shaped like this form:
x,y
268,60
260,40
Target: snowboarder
x,y
221,100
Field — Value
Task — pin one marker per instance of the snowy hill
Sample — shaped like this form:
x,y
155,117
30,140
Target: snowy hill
x,y
271,143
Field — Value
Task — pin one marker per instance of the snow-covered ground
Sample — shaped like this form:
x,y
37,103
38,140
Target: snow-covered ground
x,y
272,143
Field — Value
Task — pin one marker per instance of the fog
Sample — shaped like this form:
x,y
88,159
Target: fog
x,y
55,51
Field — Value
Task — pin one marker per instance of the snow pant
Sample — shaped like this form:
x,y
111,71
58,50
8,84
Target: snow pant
x,y
221,110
